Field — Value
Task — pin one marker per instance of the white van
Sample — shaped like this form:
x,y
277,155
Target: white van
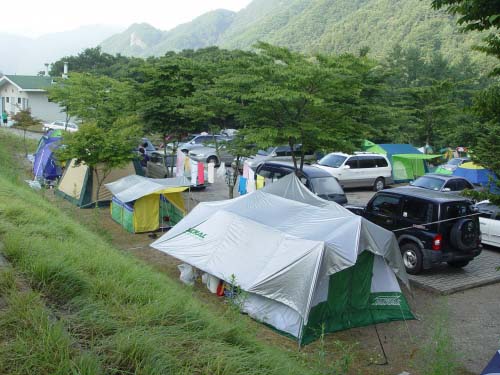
x,y
358,170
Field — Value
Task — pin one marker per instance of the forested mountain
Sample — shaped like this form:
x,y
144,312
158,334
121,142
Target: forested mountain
x,y
144,40
315,26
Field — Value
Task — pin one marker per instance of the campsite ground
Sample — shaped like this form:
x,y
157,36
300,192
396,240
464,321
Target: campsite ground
x,y
465,323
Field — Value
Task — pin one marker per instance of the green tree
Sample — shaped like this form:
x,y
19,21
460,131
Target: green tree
x,y
483,15
96,99
477,15
165,86
24,120
102,149
283,97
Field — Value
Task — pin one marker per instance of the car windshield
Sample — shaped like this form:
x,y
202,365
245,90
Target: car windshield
x,y
332,160
326,186
430,183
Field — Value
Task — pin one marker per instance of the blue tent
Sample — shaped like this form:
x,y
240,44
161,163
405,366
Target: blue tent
x,y
45,165
493,367
477,175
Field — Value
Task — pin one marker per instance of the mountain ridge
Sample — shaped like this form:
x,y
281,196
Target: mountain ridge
x,y
326,26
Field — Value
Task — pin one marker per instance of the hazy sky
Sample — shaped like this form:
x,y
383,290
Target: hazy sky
x,y
39,17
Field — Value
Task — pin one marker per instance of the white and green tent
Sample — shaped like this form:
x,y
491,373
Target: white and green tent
x,y
309,266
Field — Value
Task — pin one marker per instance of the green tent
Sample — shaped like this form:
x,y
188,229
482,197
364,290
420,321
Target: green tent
x,y
335,271
407,162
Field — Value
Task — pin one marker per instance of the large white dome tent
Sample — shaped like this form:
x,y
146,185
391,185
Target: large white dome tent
x,y
308,266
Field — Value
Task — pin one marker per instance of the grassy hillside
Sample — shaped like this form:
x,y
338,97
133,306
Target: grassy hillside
x,y
87,308
322,26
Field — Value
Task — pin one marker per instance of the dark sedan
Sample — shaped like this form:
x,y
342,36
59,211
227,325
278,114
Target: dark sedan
x,y
444,183
315,179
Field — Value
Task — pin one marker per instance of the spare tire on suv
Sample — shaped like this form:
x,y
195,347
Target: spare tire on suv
x,y
464,234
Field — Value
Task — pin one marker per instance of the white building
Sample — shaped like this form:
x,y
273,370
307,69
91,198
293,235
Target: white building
x,y
22,92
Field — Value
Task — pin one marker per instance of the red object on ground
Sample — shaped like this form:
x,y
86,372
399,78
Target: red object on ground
x,y
201,173
220,288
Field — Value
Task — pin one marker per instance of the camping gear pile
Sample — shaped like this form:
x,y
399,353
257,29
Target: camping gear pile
x,y
305,265
142,204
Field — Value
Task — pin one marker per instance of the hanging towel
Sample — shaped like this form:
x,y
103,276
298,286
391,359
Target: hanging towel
x,y
201,173
251,181
193,165
259,182
179,163
242,185
246,168
211,173
187,167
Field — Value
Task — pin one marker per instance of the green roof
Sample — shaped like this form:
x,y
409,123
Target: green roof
x,y
31,82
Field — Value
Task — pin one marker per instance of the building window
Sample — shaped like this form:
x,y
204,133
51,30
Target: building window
x,y
18,100
7,99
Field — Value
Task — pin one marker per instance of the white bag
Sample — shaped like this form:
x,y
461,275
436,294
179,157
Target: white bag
x,y
221,172
187,274
212,283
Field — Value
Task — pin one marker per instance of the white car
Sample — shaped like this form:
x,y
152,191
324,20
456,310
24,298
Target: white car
x,y
489,220
61,125
358,170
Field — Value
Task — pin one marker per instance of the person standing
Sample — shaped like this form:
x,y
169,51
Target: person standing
x,y
5,117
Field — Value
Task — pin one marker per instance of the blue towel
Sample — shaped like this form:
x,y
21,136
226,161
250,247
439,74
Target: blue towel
x,y
242,187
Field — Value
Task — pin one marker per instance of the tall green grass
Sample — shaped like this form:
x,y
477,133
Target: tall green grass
x,y
125,317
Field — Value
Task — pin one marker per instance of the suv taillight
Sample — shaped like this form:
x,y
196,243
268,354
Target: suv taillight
x,y
436,242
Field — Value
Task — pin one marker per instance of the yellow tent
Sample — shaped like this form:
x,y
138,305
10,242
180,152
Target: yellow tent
x,y
143,204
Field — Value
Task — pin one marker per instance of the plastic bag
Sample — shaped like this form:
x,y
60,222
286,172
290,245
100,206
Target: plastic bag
x,y
187,274
221,171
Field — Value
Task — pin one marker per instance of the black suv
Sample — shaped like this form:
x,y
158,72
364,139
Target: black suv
x,y
431,227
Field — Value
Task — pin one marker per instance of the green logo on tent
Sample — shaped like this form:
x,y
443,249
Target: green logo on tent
x,y
196,233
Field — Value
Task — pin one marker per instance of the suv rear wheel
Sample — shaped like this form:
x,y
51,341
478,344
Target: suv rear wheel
x,y
379,184
412,258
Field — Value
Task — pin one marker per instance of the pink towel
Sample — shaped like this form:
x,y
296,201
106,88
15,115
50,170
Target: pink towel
x,y
201,173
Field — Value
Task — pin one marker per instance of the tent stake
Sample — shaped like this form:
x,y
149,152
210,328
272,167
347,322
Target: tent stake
x,y
386,362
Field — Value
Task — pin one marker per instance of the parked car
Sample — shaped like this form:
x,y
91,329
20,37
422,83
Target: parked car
x,y
199,140
358,170
489,219
432,227
61,125
443,183
316,180
207,154
158,163
279,153
454,163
